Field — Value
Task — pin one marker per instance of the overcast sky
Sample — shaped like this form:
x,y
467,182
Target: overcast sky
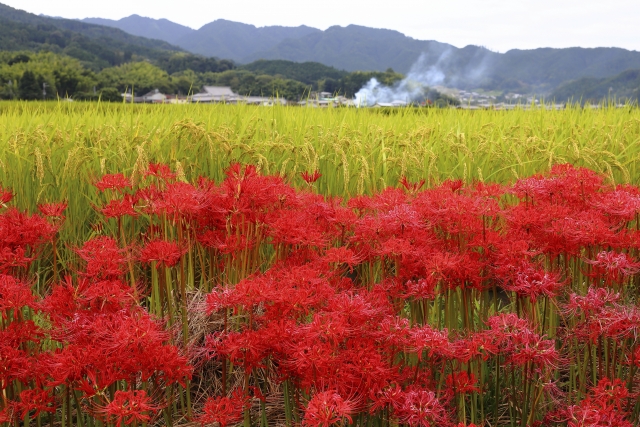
x,y
499,25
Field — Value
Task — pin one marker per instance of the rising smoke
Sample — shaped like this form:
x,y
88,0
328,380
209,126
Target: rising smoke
x,y
447,69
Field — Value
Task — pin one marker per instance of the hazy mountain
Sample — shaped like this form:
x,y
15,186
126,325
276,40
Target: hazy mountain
x,y
353,48
92,31
96,46
350,48
234,40
360,48
160,29
623,86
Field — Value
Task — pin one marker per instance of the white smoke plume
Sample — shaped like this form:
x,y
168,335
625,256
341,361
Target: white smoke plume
x,y
424,73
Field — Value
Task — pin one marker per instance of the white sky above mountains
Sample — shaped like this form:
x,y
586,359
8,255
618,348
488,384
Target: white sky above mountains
x,y
499,25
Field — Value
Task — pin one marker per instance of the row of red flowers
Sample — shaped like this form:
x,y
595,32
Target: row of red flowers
x,y
252,302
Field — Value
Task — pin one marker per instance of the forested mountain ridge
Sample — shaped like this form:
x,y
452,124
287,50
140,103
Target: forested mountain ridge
x,y
95,46
159,29
234,40
355,48
621,87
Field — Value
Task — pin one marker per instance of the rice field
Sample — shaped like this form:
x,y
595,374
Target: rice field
x,y
221,265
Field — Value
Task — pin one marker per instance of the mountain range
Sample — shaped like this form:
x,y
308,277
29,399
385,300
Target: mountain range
x,y
103,42
96,46
355,47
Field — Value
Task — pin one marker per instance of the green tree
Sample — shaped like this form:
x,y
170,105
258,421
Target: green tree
x,y
29,89
143,77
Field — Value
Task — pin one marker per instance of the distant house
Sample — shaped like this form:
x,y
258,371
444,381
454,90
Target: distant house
x,y
153,97
215,94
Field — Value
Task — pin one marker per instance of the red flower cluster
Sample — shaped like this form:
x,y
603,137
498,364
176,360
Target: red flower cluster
x,y
444,306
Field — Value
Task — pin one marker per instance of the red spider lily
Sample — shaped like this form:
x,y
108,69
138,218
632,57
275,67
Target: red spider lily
x,y
128,407
36,400
165,254
116,181
160,171
422,289
247,349
620,204
421,408
462,382
535,349
411,187
21,332
533,282
311,177
223,410
179,200
121,207
613,267
14,365
603,407
326,408
5,196
592,303
14,295
18,229
7,414
480,345
54,210
342,255
104,258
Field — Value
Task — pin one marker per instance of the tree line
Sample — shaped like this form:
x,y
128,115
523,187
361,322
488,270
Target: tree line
x,y
47,75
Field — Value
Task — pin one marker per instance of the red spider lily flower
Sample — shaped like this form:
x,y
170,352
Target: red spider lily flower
x,y
164,253
342,255
422,289
247,349
454,185
620,204
221,300
14,365
160,171
14,295
608,392
116,181
613,267
54,210
5,196
121,207
21,332
17,229
603,407
411,187
104,258
6,415
327,408
311,177
421,408
36,400
592,303
532,283
129,407
223,410
536,349
462,382
180,200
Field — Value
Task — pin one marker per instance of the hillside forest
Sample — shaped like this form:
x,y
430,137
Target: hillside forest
x,y
46,75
